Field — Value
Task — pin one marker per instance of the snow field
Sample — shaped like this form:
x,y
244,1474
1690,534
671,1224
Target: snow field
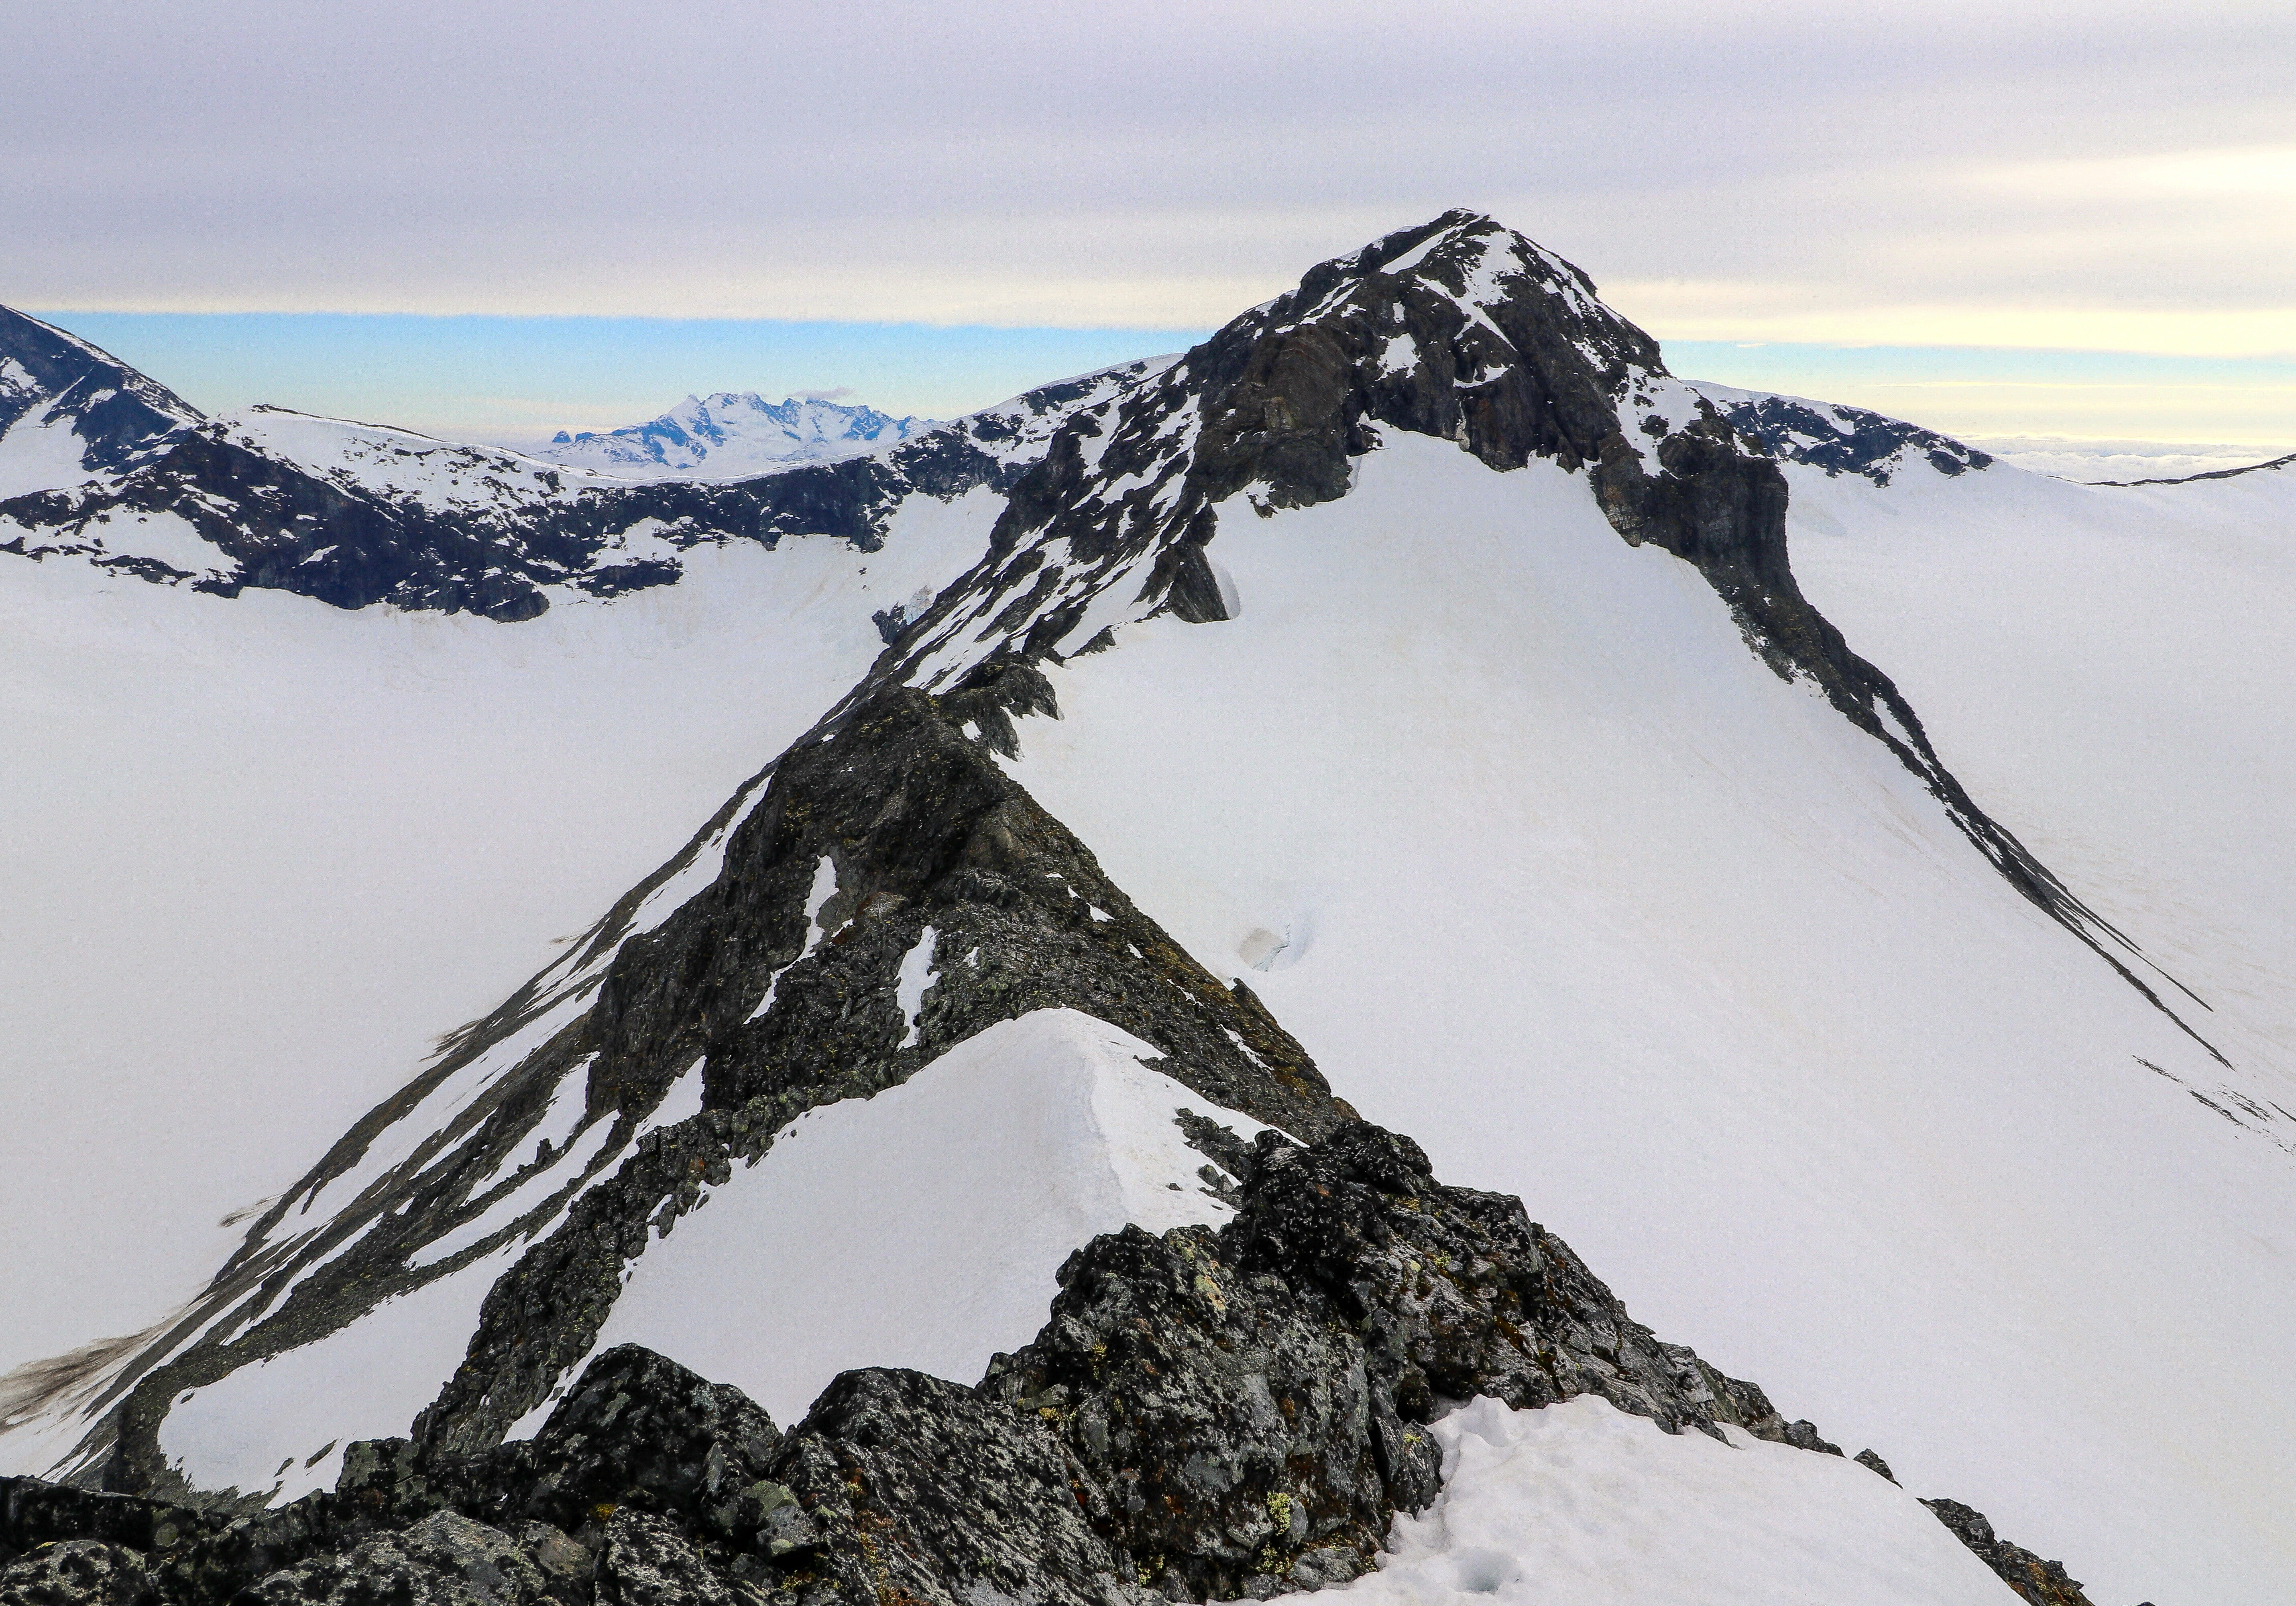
x,y
732,434
2112,670
43,450
1586,899
1580,1504
921,1228
279,1426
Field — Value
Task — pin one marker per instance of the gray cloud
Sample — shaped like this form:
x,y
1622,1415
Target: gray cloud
x,y
1765,167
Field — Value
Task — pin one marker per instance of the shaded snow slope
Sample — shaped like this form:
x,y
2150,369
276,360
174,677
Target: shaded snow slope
x,y
2114,668
1576,890
1582,1503
274,849
734,433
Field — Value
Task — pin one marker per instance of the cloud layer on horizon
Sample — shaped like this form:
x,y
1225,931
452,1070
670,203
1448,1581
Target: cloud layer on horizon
x,y
2102,176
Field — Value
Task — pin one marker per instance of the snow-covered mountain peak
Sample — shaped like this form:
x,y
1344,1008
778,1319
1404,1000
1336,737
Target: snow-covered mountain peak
x,y
733,433
70,411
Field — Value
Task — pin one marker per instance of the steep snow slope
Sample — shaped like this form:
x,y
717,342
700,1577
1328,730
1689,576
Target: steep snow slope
x,y
265,850
2114,668
735,433
1562,878
1036,1134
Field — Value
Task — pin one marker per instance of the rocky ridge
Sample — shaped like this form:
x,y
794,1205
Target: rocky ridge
x,y
1839,440
1206,1415
1466,331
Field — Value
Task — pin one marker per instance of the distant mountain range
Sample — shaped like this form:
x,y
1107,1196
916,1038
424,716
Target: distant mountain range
x,y
733,433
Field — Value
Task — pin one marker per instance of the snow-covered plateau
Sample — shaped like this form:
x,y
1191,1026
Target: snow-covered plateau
x,y
927,955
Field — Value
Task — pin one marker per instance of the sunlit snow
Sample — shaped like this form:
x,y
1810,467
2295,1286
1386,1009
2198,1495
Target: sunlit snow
x,y
921,1227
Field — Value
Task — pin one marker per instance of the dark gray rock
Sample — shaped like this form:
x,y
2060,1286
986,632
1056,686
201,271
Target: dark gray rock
x,y
2037,1582
649,1561
1247,1402
640,1432
445,1560
78,1572
904,1486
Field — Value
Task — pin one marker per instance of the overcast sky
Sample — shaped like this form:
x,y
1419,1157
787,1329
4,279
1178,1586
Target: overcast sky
x,y
2102,177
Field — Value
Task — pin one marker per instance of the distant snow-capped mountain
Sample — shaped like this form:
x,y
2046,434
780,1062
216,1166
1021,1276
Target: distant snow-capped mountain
x,y
734,433
68,412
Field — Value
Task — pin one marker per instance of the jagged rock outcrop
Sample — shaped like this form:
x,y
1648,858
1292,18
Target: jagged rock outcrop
x,y
1249,1403
2040,1583
445,1560
78,1572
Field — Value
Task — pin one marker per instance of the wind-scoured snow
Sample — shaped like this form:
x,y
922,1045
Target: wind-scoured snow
x,y
732,434
41,450
1580,1503
1608,915
857,1240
